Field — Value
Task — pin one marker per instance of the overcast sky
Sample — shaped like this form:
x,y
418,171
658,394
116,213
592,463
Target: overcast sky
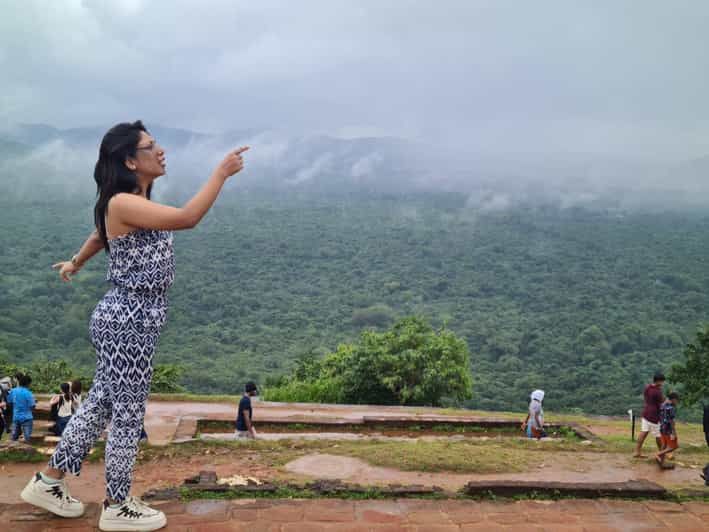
x,y
496,77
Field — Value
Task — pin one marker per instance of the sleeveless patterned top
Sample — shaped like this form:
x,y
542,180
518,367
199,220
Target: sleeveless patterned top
x,y
142,261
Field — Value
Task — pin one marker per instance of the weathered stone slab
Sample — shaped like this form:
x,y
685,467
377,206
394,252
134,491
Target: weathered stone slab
x,y
630,489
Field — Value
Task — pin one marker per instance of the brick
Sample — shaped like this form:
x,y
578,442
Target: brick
x,y
347,527
624,507
244,514
374,516
417,505
579,506
681,522
329,510
390,528
174,528
27,512
246,526
304,527
485,526
554,517
460,517
463,511
169,507
436,528
664,506
696,508
428,516
208,510
255,504
534,507
226,526
283,512
80,528
602,528
59,523
562,528
388,508
522,527
510,518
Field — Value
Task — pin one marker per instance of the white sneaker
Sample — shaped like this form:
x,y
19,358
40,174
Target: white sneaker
x,y
132,515
54,498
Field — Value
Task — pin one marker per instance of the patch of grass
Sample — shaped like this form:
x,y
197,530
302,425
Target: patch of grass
x,y
436,456
196,398
273,453
98,452
284,492
17,457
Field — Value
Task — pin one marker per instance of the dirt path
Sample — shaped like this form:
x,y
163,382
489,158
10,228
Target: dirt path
x,y
165,472
89,486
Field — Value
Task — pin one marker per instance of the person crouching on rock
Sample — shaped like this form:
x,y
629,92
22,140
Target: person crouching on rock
x,y
534,424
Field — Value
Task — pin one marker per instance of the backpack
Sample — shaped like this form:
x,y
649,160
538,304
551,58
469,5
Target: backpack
x,y
54,412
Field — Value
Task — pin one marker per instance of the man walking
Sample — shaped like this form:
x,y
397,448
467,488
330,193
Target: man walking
x,y
651,413
244,418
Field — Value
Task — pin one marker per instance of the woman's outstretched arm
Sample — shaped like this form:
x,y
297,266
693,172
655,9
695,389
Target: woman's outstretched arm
x,y
68,268
138,212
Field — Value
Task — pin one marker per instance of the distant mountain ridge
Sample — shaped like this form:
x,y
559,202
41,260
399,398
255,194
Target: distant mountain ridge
x,y
39,159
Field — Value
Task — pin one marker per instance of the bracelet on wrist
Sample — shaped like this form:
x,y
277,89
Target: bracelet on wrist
x,y
75,262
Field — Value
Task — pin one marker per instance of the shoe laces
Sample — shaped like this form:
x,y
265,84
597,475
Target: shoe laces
x,y
66,494
136,502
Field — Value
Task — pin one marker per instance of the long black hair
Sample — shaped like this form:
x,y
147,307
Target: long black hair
x,y
65,389
111,173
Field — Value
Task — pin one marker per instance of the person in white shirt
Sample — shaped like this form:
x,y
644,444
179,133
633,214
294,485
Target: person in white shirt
x,y
65,407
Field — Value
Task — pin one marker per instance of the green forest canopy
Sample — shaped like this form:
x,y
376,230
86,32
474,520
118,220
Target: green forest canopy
x,y
586,305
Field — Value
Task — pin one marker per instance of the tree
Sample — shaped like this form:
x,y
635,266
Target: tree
x,y
694,373
166,378
410,364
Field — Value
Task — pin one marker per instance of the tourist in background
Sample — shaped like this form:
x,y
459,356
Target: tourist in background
x,y
668,430
63,405
534,424
22,402
650,423
245,415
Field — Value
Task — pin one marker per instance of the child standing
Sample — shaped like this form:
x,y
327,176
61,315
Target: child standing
x,y
23,402
668,431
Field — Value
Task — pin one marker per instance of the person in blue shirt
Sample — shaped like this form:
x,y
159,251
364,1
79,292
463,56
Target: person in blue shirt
x,y
244,418
23,402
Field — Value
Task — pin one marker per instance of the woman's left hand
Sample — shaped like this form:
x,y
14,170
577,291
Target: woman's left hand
x,y
66,269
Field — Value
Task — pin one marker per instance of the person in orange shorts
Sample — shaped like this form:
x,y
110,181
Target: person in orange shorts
x,y
668,431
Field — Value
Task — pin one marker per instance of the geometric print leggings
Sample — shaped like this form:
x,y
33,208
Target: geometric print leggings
x,y
124,337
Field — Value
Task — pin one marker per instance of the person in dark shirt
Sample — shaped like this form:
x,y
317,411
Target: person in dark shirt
x,y
668,411
651,414
245,415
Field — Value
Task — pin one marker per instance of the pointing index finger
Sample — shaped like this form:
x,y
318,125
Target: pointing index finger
x,y
241,150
